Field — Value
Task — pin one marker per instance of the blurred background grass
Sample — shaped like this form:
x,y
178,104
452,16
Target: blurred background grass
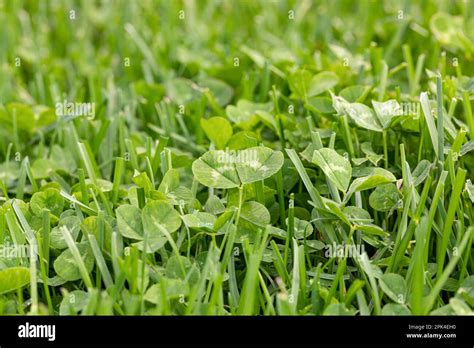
x,y
126,56
65,52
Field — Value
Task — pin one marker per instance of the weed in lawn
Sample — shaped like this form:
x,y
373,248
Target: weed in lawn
x,y
236,158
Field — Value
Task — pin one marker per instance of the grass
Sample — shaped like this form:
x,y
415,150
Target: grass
x,y
240,158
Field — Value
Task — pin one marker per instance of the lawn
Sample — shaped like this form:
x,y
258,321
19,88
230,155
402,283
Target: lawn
x,y
236,157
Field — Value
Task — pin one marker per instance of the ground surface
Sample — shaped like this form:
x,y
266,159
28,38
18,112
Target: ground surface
x,y
238,157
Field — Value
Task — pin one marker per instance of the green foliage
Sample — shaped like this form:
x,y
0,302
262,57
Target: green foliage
x,y
13,278
237,161
337,168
